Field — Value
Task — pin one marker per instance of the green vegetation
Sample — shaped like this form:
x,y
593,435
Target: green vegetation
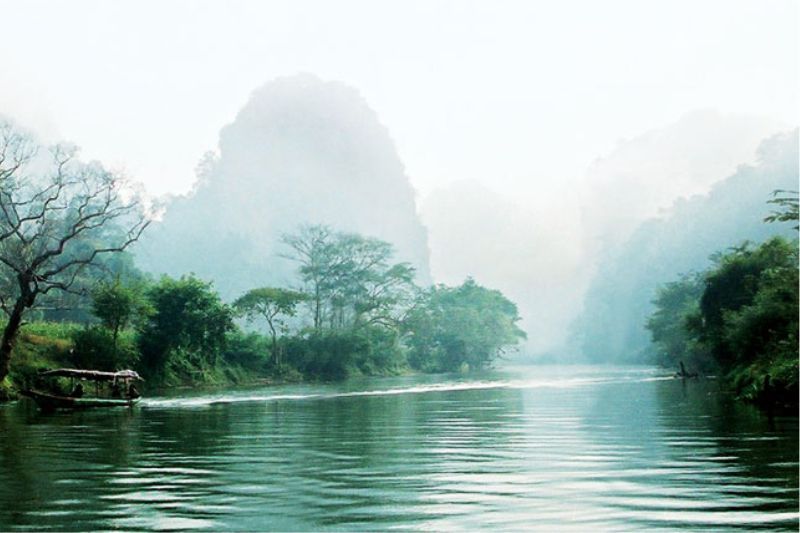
x,y
359,313
185,335
680,240
460,327
59,218
273,305
739,318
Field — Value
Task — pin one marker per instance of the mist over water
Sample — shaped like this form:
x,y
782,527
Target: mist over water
x,y
563,447
308,151
406,265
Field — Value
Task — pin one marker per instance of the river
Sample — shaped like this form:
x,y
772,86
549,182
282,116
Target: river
x,y
549,448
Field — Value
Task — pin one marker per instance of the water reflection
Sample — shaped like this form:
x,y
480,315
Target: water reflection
x,y
565,448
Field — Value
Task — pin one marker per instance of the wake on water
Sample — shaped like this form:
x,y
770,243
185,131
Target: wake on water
x,y
205,401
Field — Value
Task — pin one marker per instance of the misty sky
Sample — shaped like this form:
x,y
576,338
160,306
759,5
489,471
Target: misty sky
x,y
520,96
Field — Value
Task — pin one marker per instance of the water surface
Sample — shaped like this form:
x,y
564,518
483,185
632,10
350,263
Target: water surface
x,y
535,448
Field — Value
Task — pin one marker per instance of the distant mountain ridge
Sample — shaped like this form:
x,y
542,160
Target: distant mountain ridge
x,y
301,151
611,327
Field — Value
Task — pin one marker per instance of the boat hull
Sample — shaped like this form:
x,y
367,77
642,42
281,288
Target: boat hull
x,y
51,402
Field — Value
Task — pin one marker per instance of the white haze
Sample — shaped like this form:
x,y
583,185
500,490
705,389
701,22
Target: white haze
x,y
519,95
535,133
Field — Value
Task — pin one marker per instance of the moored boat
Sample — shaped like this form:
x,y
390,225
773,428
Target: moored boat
x,y
122,393
51,401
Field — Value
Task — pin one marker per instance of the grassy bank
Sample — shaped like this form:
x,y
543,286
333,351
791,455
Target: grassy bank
x,y
48,345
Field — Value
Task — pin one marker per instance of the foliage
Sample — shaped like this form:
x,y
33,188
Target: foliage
x,y
676,307
745,316
118,306
97,348
247,350
469,326
733,286
371,315
788,207
350,279
188,325
271,304
55,224
327,355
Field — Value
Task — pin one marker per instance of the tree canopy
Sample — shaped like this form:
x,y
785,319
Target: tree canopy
x,y
450,328
273,305
188,319
350,279
58,218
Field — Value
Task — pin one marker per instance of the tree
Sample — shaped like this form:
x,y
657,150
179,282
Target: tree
x,y
188,324
788,207
350,278
270,304
450,328
311,247
117,305
55,224
676,307
732,285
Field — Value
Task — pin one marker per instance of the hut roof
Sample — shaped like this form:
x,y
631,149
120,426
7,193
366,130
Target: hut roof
x,y
94,375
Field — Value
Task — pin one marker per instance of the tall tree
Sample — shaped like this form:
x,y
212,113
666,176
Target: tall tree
x,y
188,324
55,224
117,305
351,279
733,285
676,307
311,246
271,304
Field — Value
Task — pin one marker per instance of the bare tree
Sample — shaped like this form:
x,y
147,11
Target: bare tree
x,y
58,217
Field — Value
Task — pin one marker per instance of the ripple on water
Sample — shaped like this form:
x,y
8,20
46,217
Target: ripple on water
x,y
606,450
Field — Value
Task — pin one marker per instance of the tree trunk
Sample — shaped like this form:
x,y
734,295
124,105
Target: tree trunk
x,y
274,344
317,312
115,336
10,335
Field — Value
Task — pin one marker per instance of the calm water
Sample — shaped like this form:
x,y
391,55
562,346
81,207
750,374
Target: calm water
x,y
547,448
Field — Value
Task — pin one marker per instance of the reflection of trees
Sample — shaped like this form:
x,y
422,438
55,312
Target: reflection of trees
x,y
46,460
679,453
761,447
17,475
89,469
189,433
358,460
695,450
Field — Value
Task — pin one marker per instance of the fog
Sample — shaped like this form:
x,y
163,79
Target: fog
x,y
522,144
302,151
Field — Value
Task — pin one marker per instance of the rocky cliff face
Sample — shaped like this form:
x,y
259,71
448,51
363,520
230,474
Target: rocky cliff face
x,y
301,151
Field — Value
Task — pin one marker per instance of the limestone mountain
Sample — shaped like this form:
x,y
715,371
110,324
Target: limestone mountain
x,y
301,151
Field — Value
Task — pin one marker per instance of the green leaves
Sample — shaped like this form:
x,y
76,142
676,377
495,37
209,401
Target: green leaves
x,y
350,279
270,303
188,319
788,207
450,328
743,313
118,305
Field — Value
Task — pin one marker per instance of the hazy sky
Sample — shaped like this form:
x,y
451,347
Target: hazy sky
x,y
520,96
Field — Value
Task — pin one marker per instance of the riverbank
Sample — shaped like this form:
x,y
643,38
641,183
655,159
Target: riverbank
x,y
246,362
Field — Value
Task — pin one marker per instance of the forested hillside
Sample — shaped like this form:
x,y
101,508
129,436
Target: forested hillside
x,y
619,300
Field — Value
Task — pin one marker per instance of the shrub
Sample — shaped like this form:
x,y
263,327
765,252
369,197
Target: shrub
x,y
94,348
